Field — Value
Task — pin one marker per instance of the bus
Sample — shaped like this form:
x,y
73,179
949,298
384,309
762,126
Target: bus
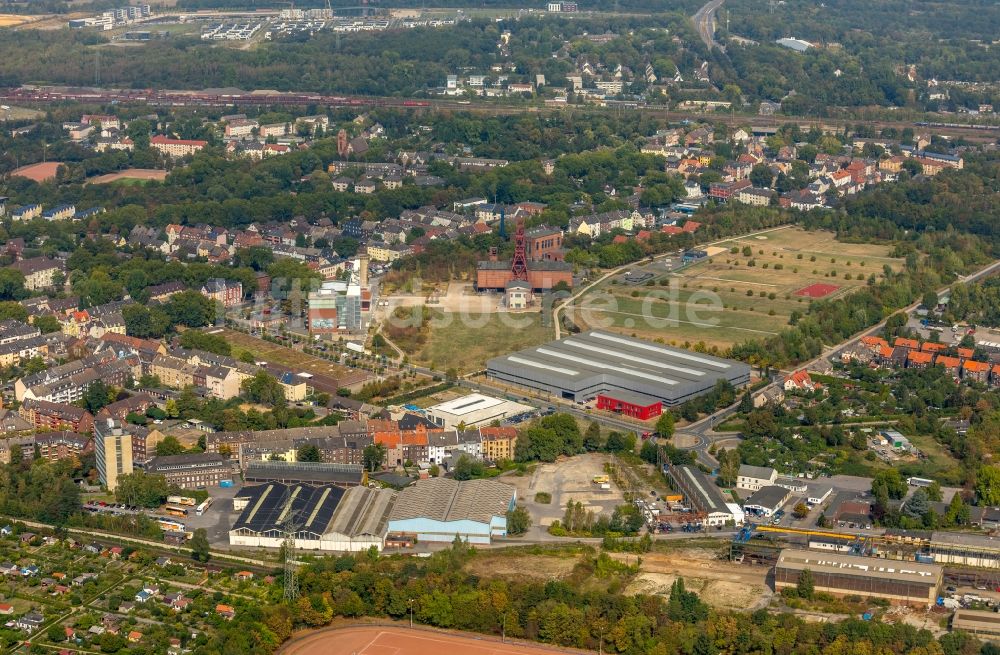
x,y
175,510
182,500
200,509
170,525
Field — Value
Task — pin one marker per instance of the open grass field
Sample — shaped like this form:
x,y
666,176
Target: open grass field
x,y
466,341
725,300
20,113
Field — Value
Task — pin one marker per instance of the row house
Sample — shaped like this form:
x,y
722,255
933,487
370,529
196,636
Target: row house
x,y
754,196
45,415
60,213
70,390
12,330
145,349
26,212
40,272
119,410
56,373
723,191
176,147
225,292
16,352
55,446
173,371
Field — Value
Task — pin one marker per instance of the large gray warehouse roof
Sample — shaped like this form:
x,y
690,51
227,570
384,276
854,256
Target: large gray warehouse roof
x,y
443,499
855,566
595,361
363,511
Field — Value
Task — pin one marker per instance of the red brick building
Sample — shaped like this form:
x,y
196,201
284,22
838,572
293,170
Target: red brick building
x,y
542,275
45,415
227,292
544,243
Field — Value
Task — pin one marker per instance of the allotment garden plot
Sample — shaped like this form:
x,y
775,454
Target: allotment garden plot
x,y
746,289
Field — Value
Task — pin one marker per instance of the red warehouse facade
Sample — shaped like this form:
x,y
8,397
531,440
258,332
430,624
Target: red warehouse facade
x,y
631,404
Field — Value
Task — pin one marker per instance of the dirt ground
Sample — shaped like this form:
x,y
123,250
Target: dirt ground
x,y
13,20
130,174
459,297
38,172
538,567
721,584
400,641
566,480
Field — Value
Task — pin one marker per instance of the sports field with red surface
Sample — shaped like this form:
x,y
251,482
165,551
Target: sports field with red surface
x,y
817,290
38,172
400,641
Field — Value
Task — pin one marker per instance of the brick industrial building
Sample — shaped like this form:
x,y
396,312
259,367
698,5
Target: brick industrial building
x,y
495,275
905,583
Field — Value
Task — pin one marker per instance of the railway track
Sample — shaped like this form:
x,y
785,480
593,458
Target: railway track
x,y
46,95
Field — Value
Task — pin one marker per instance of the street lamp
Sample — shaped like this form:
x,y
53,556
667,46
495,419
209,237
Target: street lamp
x,y
503,629
409,603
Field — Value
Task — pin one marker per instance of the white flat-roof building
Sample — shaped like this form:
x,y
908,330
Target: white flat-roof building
x,y
474,410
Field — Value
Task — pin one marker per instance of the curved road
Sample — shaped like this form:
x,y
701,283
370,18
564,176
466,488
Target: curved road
x,y
704,22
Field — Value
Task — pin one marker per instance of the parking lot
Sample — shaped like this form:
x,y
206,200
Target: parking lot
x,y
218,518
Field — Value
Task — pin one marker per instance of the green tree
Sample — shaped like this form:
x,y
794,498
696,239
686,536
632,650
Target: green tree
x,y
141,489
12,284
169,445
891,482
518,521
665,425
200,549
47,323
263,388
761,176
988,485
308,453
212,343
13,310
96,397
746,403
373,456
592,437
805,585
190,308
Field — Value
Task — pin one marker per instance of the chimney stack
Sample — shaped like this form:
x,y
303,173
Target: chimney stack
x,y
363,268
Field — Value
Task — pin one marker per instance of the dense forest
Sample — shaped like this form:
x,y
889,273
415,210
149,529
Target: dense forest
x,y
871,45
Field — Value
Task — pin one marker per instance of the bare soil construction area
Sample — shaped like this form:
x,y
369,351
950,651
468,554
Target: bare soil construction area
x,y
721,584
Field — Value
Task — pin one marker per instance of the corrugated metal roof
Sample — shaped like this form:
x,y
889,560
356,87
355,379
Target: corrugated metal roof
x,y
445,500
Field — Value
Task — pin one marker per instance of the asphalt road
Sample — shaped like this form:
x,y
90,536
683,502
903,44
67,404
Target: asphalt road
x,y
704,22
